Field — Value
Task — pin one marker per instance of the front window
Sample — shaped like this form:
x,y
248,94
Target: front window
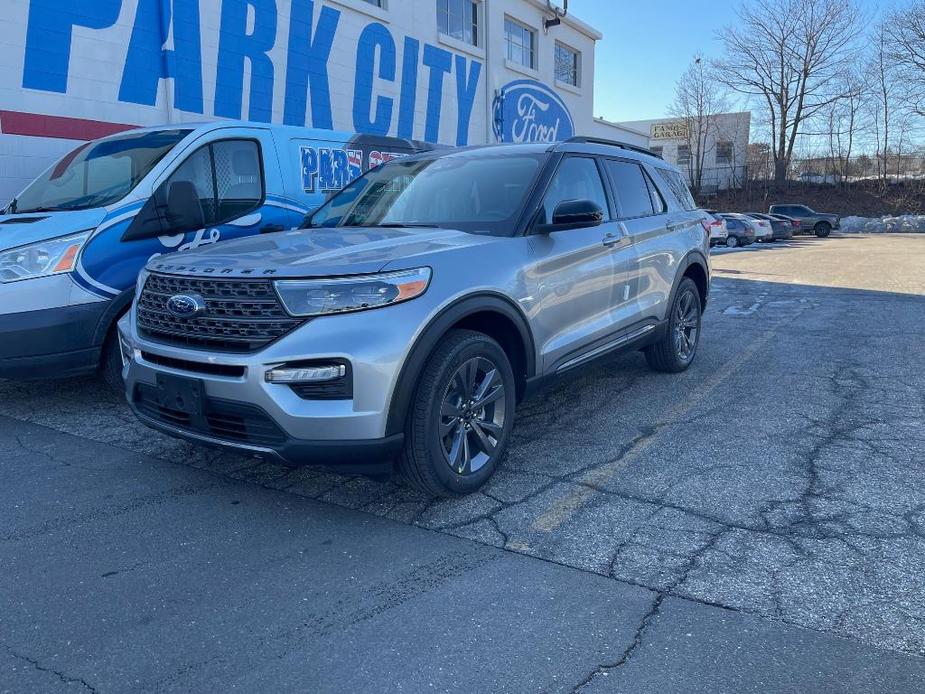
x,y
568,65
459,19
97,173
479,194
521,43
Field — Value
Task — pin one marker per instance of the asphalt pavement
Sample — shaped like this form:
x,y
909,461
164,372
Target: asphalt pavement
x,y
755,524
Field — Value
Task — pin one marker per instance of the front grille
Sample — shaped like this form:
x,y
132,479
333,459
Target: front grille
x,y
195,366
242,315
227,421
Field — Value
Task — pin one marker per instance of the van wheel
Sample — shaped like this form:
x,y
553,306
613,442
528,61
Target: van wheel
x,y
460,421
677,349
823,229
111,363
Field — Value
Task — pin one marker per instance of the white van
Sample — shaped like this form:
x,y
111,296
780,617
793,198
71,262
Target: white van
x,y
73,242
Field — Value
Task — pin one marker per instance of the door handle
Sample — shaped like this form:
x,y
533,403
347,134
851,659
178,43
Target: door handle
x,y
271,228
610,239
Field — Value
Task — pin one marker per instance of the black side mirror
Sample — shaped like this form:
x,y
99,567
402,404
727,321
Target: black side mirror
x,y
574,214
184,208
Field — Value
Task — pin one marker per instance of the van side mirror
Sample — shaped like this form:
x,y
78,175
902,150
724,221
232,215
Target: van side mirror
x,y
184,208
574,214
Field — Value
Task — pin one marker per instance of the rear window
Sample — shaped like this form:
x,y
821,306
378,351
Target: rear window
x,y
678,188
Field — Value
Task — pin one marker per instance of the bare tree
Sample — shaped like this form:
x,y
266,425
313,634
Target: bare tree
x,y
842,123
698,100
790,54
905,27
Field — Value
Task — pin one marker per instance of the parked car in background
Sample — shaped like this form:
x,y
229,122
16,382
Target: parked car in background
x,y
780,230
820,223
718,232
795,224
400,326
763,229
739,231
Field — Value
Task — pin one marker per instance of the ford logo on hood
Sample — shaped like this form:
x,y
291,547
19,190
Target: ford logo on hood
x,y
186,305
529,111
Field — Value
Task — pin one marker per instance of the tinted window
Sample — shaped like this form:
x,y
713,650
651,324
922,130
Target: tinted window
x,y
658,202
678,188
577,179
197,171
631,189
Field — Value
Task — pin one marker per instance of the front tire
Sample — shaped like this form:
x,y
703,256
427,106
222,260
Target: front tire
x,y
823,229
460,420
675,352
732,242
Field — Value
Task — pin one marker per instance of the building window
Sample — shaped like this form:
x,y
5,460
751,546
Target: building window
x,y
684,155
568,65
723,153
521,43
658,151
376,3
459,19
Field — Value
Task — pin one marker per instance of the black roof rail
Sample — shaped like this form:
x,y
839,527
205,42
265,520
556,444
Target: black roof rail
x,y
587,140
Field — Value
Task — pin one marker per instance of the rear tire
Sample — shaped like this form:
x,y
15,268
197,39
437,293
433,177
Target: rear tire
x,y
822,229
732,242
675,352
461,416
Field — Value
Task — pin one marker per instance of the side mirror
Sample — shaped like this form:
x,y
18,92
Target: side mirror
x,y
574,214
184,208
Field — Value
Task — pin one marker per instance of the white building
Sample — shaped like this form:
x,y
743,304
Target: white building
x,y
724,147
450,71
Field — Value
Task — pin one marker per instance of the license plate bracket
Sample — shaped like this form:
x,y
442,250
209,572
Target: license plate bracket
x,y
184,395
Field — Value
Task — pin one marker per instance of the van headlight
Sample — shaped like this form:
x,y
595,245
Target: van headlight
x,y
341,294
42,259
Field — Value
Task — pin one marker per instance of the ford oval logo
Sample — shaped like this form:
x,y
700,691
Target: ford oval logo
x,y
529,111
186,305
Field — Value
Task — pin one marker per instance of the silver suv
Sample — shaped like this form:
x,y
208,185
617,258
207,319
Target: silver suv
x,y
398,329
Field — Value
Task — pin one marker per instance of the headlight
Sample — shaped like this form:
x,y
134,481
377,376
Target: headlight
x,y
325,296
52,257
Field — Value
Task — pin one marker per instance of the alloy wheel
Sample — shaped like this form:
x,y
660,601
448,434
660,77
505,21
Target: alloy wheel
x,y
472,413
687,326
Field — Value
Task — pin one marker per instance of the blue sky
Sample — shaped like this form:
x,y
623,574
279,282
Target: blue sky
x,y
647,45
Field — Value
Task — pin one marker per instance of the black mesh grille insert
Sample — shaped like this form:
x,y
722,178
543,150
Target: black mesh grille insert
x,y
227,421
242,315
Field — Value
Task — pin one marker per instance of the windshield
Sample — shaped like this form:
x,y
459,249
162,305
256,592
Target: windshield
x,y
97,173
477,193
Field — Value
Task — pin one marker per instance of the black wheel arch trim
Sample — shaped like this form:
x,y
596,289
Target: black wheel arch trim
x,y
694,257
430,337
118,305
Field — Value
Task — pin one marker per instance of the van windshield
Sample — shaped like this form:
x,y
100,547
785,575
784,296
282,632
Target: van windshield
x,y
476,193
97,173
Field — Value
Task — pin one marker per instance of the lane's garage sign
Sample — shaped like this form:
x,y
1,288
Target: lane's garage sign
x,y
298,68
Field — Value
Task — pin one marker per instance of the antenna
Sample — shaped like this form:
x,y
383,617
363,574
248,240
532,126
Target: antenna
x,y
558,14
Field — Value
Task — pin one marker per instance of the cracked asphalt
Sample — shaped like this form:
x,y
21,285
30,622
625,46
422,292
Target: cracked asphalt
x,y
755,524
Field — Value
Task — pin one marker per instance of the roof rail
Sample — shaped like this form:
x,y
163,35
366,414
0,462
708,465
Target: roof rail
x,y
585,139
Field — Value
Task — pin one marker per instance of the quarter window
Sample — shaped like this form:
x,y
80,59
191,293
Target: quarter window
x,y
459,19
568,64
632,190
678,188
521,43
578,178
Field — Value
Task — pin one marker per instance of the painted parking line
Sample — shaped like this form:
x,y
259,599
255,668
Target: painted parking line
x,y
562,509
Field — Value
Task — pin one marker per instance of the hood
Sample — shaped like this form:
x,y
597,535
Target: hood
x,y
21,229
316,252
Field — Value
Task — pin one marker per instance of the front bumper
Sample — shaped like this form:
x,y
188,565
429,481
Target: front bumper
x,y
51,342
271,420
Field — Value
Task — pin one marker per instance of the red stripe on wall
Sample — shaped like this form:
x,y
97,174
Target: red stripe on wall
x,y
38,125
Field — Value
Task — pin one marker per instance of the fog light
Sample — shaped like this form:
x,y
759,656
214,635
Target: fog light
x,y
306,374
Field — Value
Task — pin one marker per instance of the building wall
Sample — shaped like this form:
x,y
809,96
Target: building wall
x,y
73,69
727,127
